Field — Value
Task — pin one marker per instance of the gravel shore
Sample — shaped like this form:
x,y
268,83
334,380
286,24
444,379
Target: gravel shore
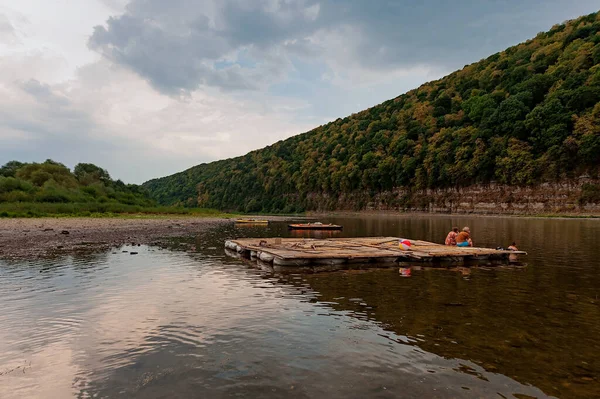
x,y
43,237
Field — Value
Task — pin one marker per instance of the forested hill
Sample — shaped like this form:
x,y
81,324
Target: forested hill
x,y
39,189
527,115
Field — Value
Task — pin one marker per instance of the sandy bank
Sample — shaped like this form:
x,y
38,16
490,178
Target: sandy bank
x,y
42,237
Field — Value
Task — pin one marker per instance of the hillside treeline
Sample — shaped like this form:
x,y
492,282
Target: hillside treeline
x,y
51,182
526,115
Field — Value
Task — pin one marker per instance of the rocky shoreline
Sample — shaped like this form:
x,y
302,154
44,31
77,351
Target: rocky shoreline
x,y
46,237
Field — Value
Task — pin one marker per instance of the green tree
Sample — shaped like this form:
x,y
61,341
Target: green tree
x,y
517,166
88,173
10,168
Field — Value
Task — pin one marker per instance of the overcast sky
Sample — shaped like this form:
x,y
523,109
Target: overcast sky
x,y
147,88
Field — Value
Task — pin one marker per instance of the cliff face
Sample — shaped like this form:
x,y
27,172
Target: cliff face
x,y
573,197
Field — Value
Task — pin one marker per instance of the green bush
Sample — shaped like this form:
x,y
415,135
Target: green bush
x,y
16,196
590,193
36,209
8,184
38,189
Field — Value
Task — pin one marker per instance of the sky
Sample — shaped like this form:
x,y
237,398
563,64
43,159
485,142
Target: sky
x,y
148,88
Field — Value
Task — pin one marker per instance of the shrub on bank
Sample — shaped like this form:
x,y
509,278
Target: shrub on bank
x,y
94,209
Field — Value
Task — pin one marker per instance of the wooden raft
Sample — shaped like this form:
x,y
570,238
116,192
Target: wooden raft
x,y
333,251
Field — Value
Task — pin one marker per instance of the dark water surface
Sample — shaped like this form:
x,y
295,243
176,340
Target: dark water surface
x,y
180,323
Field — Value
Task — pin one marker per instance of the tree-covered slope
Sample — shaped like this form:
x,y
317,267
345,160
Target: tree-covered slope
x,y
523,116
42,188
52,181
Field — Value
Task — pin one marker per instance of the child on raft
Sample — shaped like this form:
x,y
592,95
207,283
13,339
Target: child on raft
x,y
451,237
463,239
513,257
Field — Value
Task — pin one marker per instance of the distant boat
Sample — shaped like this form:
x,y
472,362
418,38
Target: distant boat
x,y
251,221
314,226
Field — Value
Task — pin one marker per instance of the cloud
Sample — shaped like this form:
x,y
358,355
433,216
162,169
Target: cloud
x,y
110,116
40,121
25,64
8,33
105,113
115,5
11,24
178,46
49,114
44,93
232,45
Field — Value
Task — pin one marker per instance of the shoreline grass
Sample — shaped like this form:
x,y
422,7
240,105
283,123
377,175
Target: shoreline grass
x,y
100,210
118,210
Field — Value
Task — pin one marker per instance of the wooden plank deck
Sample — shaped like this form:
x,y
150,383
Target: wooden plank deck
x,y
305,250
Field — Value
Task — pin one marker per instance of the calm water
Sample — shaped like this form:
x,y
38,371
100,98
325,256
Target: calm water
x,y
196,323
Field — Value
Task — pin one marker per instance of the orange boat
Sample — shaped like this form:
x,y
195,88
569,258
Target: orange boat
x,y
314,226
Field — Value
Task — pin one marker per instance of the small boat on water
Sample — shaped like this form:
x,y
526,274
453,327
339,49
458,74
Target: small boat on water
x,y
314,226
251,221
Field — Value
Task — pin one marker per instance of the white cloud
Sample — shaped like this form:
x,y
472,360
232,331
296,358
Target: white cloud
x,y
312,12
8,34
56,103
179,46
110,116
56,30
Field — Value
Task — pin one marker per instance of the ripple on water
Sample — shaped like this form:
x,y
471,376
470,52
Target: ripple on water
x,y
201,324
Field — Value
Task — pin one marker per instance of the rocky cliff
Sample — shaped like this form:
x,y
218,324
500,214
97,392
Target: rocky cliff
x,y
573,197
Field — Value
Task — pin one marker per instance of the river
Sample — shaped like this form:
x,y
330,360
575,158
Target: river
x,y
181,322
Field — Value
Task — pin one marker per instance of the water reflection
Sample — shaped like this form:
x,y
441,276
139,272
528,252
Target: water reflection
x,y
489,318
172,323
315,233
537,324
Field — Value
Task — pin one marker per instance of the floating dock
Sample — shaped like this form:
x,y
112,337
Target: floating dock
x,y
339,251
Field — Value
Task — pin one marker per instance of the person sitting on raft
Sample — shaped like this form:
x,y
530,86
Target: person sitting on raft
x,y
463,239
451,237
513,257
